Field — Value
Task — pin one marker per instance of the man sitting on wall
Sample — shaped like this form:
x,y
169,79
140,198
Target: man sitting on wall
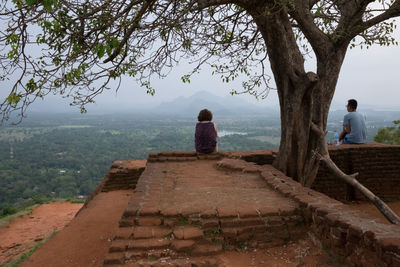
x,y
354,130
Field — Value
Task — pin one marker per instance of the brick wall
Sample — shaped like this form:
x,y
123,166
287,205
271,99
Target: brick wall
x,y
360,239
378,166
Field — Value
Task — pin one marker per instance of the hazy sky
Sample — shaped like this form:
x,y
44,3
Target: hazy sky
x,y
368,75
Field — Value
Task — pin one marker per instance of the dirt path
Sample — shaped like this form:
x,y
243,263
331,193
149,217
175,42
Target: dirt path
x,y
25,232
85,241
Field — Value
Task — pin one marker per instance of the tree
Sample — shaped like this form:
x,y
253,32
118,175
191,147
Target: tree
x,y
88,46
389,135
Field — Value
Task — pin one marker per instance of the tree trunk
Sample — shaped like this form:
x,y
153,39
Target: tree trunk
x,y
304,97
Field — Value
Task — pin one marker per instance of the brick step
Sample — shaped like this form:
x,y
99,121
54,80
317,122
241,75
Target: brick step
x,y
173,248
120,185
125,250
204,223
120,182
162,159
179,262
116,186
130,172
161,231
143,232
211,224
122,178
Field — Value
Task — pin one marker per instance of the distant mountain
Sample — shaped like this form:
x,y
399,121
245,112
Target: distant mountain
x,y
221,106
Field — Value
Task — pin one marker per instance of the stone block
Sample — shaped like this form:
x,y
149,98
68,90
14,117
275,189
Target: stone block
x,y
390,244
208,213
339,234
191,232
354,234
145,244
187,232
124,233
126,222
136,254
244,236
149,210
170,222
229,232
118,245
148,221
228,211
114,258
150,232
182,245
206,249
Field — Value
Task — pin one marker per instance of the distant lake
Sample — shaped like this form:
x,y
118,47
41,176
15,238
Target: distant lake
x,y
224,133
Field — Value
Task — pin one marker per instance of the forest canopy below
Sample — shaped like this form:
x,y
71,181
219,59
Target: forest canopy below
x,y
67,156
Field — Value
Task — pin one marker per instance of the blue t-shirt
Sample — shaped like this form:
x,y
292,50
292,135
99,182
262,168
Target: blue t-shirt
x,y
358,130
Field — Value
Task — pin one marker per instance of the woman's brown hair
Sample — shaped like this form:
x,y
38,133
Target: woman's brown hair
x,y
205,115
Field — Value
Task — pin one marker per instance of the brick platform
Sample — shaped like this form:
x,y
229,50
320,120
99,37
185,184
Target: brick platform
x,y
188,205
199,208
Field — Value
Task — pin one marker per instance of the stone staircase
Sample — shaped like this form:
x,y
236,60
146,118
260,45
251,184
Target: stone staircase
x,y
156,237
123,175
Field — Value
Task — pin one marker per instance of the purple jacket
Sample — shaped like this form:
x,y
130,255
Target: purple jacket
x,y
205,137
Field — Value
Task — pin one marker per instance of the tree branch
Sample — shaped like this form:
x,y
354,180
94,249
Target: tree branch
x,y
393,11
134,26
318,39
201,4
350,179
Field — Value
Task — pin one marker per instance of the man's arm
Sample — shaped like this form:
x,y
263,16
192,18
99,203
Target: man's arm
x,y
346,130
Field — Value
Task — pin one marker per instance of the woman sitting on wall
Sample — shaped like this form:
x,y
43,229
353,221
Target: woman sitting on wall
x,y
206,133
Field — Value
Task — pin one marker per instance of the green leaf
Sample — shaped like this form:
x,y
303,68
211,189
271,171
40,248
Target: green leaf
x,y
13,98
31,86
30,2
100,50
48,4
185,78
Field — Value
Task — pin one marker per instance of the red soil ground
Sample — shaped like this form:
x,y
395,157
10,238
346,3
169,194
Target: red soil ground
x,y
86,239
24,232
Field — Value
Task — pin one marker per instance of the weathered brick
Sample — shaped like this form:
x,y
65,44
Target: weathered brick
x,y
149,243
150,232
391,244
149,210
114,258
339,236
203,250
227,211
124,233
209,223
229,232
191,232
118,245
182,245
148,221
126,222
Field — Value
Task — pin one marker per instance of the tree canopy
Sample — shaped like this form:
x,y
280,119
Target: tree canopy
x,y
389,135
79,48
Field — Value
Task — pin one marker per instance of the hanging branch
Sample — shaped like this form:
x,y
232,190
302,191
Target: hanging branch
x,y
350,179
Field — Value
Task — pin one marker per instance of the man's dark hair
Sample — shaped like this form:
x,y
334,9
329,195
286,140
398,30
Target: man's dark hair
x,y
352,103
205,115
